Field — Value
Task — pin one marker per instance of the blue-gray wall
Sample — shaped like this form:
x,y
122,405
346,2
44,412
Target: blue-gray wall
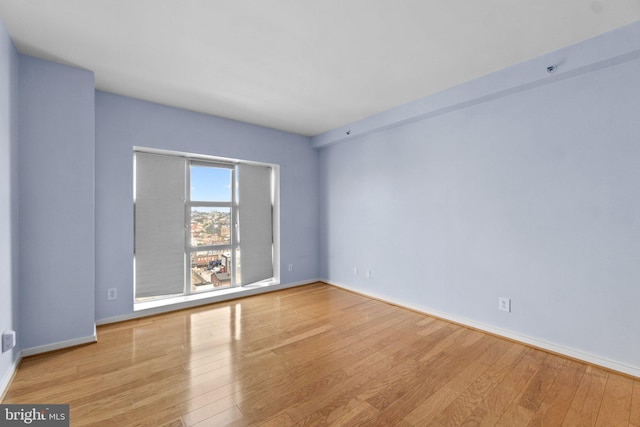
x,y
8,197
530,193
122,123
56,155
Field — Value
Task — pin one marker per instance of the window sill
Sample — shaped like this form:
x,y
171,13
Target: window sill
x,y
187,301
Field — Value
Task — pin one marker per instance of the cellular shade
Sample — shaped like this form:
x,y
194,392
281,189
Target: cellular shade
x,y
255,223
159,225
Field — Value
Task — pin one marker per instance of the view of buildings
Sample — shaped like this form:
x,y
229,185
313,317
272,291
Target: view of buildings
x,y
210,268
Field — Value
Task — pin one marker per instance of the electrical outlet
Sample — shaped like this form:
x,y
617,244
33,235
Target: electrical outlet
x,y
290,267
368,274
504,304
112,294
8,340
355,271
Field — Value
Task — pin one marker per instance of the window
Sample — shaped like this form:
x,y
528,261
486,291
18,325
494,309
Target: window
x,y
209,210
201,224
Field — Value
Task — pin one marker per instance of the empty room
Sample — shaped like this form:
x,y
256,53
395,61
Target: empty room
x,y
290,213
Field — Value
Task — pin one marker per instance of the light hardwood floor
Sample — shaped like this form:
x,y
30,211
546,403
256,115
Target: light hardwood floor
x,y
318,355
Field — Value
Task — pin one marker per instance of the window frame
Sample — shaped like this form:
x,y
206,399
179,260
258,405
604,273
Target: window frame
x,y
189,204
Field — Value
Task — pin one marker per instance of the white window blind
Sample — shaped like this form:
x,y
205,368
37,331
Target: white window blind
x,y
255,223
159,225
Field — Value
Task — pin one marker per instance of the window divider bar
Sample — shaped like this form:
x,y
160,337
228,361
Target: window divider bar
x,y
197,204
209,248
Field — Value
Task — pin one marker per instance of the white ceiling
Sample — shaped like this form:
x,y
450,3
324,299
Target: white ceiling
x,y
305,66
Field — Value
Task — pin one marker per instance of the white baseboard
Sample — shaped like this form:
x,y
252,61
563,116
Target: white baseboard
x,y
221,296
593,359
59,345
6,380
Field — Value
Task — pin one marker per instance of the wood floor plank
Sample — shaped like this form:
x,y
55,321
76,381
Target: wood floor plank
x,y
360,415
523,409
554,409
428,379
175,423
280,420
634,416
555,406
541,382
496,403
468,399
515,415
227,417
433,405
572,373
209,410
317,355
588,398
615,409
360,374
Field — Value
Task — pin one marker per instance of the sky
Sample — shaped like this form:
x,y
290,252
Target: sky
x,y
210,184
